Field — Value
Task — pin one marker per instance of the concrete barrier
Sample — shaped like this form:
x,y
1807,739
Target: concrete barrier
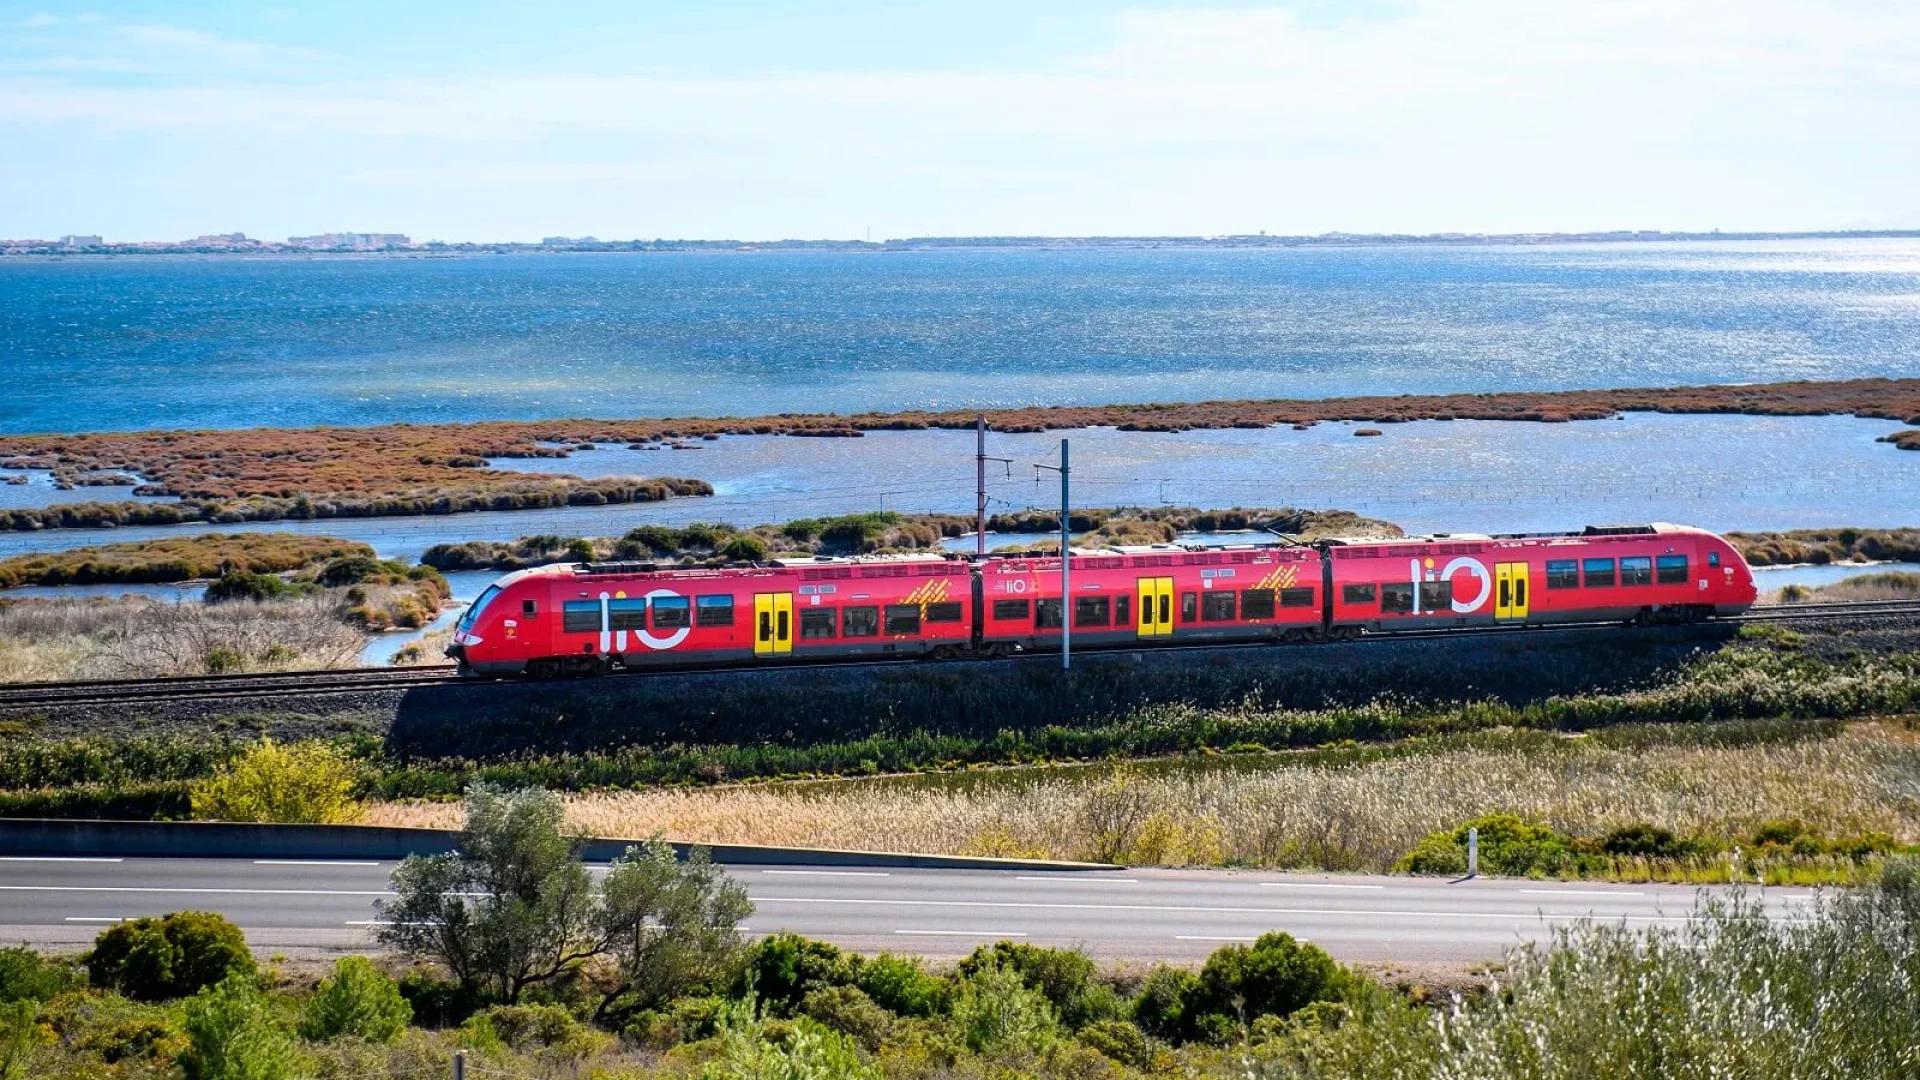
x,y
214,839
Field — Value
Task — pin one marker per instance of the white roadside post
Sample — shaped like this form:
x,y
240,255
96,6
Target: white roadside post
x,y
1473,852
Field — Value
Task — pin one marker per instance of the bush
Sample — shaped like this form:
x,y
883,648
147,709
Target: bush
x,y
172,956
234,1036
849,1011
1161,1007
522,1027
1118,1040
26,976
782,969
744,549
358,1001
1068,979
307,783
1643,841
245,586
994,1009
749,1047
1508,845
901,986
436,1002
1276,976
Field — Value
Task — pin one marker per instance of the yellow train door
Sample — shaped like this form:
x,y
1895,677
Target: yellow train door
x,y
1511,585
1156,607
772,624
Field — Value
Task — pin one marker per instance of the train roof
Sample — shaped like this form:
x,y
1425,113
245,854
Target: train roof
x,y
1656,528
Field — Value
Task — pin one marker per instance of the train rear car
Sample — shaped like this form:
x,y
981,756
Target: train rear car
x,y
1640,573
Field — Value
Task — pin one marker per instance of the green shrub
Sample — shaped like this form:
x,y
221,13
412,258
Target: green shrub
x,y
26,976
1276,976
358,1001
1161,1006
750,1047
901,986
683,1020
744,549
849,1011
1067,978
234,1035
1643,841
1119,1040
308,783
436,1002
241,585
356,569
782,969
994,1009
522,1027
1508,845
152,959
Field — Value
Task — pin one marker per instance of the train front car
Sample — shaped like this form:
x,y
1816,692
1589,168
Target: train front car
x,y
1636,573
504,629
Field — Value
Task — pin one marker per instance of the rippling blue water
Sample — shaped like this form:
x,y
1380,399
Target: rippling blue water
x,y
90,344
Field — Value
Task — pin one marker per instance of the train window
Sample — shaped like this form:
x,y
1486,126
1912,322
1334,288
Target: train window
x,y
627,614
1092,611
1300,597
903,618
580,616
1396,597
713,611
859,622
816,622
529,608
1598,573
671,612
1357,594
1563,574
944,612
1713,559
473,613
1189,607
1673,569
1012,609
1436,596
1217,606
1636,570
1046,614
1256,604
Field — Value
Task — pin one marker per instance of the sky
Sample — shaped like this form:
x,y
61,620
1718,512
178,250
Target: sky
x,y
472,120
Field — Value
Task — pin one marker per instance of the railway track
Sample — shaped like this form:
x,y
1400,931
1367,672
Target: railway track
x,y
360,680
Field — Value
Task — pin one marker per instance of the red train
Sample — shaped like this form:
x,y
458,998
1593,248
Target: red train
x,y
586,618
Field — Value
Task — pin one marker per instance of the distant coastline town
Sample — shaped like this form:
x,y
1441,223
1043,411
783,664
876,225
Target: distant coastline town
x,y
400,243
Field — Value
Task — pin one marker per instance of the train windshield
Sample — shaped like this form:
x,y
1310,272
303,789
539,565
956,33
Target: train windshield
x,y
473,613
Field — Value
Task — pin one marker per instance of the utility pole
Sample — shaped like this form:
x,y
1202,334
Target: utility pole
x,y
980,486
1066,560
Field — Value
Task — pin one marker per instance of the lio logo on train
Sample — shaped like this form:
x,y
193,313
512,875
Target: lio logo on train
x,y
1424,570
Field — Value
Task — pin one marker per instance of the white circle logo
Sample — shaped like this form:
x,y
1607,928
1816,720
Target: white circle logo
x,y
1472,566
654,641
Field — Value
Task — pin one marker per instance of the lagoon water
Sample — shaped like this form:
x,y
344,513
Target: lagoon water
x,y
151,342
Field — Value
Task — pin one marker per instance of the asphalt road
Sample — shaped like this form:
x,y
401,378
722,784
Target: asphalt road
x,y
318,907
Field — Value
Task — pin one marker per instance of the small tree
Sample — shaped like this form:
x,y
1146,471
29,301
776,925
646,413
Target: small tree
x,y
668,925
992,1008
358,1001
746,1050
513,907
234,1036
1276,976
306,783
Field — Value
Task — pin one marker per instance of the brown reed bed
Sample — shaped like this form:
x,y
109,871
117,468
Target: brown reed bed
x,y
177,558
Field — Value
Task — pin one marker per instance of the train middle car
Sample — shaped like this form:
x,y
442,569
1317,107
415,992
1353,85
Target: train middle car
x,y
586,618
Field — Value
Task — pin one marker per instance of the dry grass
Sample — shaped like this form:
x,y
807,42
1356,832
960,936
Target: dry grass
x,y
1887,585
44,640
177,558
1355,816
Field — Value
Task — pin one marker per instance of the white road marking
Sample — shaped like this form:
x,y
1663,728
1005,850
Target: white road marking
x,y
56,858
193,891
1580,892
1207,937
92,918
830,873
311,862
1364,913
1079,880
1314,885
964,933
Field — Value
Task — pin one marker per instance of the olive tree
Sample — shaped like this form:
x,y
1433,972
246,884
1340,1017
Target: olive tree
x,y
668,925
515,907
511,908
